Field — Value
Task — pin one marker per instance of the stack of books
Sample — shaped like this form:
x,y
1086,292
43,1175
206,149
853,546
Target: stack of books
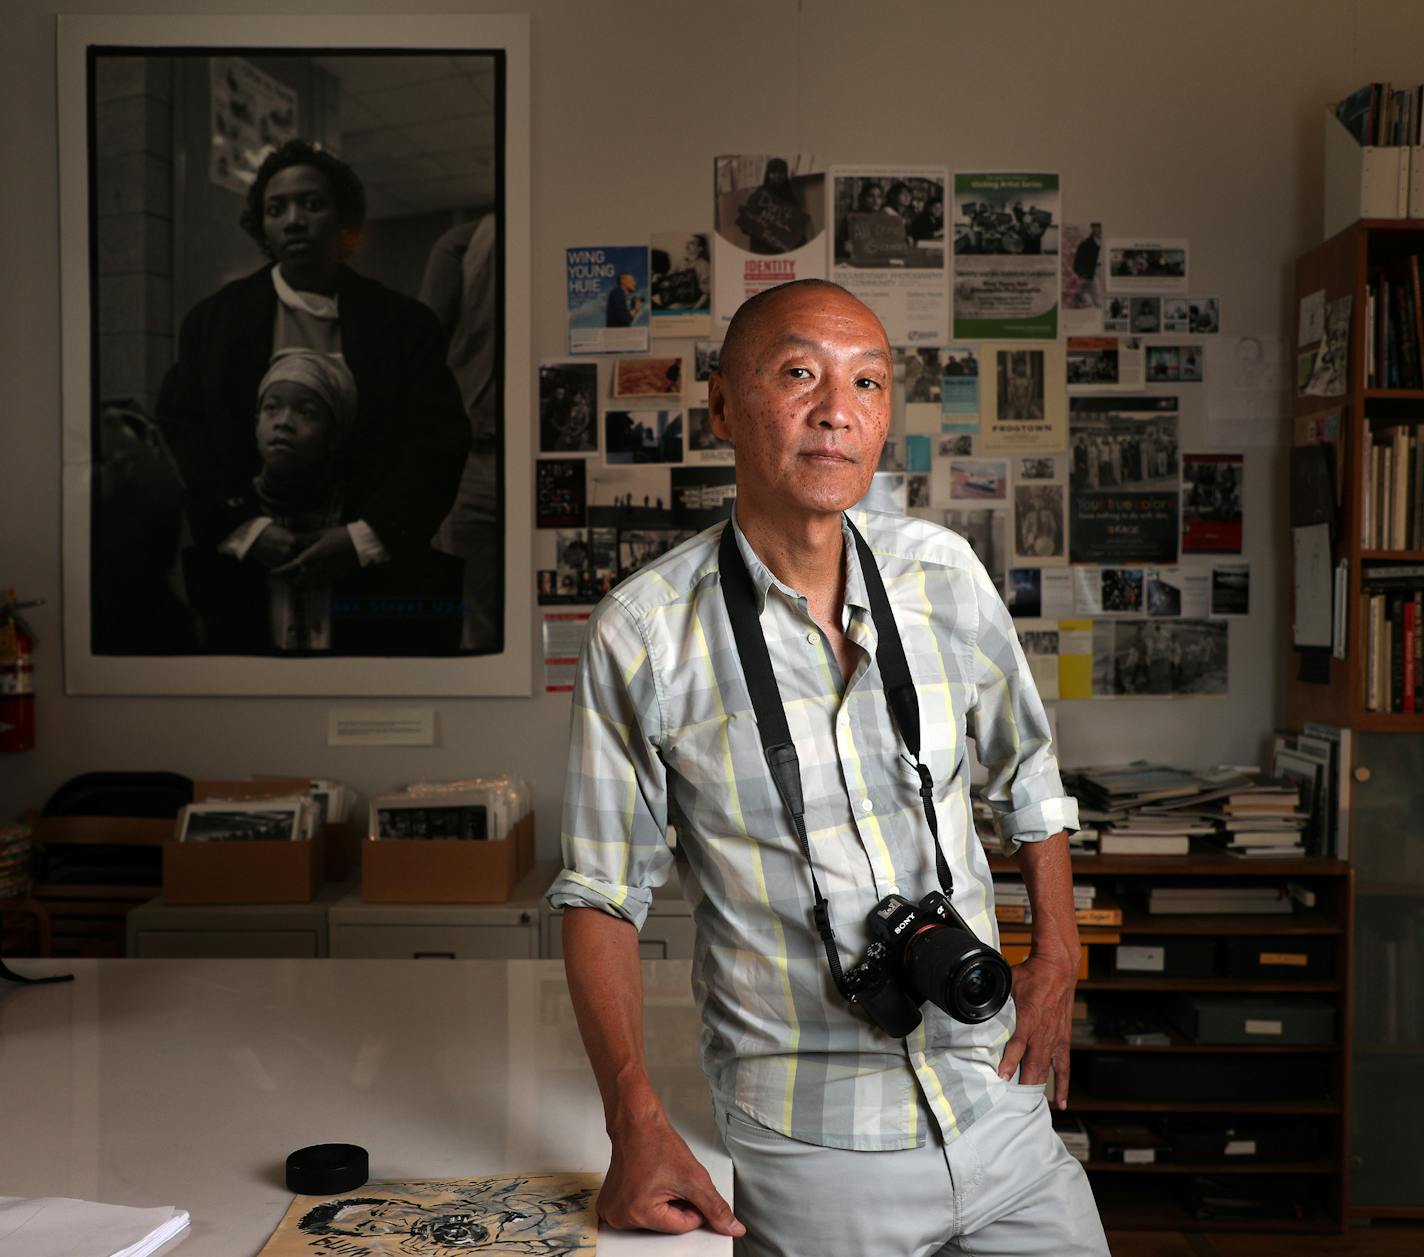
x,y
1229,809
1394,328
1209,898
1090,906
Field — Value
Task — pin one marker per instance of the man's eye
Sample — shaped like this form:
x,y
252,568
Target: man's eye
x,y
866,383
804,374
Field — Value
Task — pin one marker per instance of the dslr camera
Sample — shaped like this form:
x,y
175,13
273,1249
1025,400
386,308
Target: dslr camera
x,y
922,952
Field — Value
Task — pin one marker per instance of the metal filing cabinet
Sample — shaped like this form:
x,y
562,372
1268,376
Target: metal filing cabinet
x,y
667,933
445,931
279,931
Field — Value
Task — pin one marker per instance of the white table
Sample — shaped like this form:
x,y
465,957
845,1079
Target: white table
x,y
187,1082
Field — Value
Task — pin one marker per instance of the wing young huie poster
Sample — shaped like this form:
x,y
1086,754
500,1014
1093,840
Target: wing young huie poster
x,y
607,298
888,247
1006,280
769,224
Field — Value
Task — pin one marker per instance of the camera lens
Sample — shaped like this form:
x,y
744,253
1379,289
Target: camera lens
x,y
956,972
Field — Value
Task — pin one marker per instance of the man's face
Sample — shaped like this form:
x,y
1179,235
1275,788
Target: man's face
x,y
299,218
627,282
871,198
293,428
808,404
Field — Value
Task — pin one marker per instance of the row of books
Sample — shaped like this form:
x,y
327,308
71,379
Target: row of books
x,y
1383,115
1394,327
1392,504
1394,648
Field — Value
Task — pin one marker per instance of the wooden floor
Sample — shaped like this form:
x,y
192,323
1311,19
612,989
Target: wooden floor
x,y
1379,1239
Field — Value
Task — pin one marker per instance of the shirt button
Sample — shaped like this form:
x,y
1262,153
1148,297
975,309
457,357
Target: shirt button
x,y
811,637
866,805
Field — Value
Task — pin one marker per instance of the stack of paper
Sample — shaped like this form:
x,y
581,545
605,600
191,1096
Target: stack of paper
x,y
56,1226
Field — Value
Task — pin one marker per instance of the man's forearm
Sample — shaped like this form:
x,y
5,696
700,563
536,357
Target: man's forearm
x,y
1048,875
606,986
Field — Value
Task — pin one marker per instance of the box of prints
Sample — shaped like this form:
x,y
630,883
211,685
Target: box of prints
x,y
255,870
447,870
1253,1019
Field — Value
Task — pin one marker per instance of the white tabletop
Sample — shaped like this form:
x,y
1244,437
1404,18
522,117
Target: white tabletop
x,y
187,1082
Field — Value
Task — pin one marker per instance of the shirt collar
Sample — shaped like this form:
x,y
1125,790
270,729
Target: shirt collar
x,y
312,303
763,578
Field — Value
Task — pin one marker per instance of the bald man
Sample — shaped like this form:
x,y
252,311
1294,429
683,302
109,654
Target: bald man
x,y
846,1138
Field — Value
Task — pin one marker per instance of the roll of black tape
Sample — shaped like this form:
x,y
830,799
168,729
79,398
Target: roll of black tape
x,y
326,1169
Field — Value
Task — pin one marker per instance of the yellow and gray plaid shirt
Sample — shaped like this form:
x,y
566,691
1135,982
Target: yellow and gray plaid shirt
x,y
664,733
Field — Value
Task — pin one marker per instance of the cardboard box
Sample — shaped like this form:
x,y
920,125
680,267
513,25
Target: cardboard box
x,y
446,870
243,872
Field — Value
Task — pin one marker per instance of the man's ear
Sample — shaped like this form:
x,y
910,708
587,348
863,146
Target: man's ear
x,y
717,406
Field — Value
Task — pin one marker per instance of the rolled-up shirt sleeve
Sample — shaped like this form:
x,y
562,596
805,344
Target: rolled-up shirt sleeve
x,y
1011,732
614,833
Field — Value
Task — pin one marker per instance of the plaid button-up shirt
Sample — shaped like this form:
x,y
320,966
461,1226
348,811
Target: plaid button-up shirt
x,y
664,733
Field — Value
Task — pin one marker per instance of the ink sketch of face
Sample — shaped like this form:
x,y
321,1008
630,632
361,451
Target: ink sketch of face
x,y
529,1215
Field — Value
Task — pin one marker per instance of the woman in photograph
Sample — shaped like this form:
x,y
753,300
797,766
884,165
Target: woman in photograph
x,y
305,211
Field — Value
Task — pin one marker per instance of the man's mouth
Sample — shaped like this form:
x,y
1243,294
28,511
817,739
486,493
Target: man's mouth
x,y
826,456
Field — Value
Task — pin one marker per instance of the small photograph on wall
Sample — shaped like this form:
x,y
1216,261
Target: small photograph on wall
x,y
568,408
680,283
647,377
642,436
294,426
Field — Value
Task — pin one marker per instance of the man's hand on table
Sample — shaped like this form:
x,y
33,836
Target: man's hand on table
x,y
656,1184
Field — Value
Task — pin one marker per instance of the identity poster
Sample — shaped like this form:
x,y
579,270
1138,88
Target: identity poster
x,y
1124,480
769,221
1006,246
1022,399
608,299
889,247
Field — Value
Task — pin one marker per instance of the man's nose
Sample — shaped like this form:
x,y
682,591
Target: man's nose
x,y
295,215
833,406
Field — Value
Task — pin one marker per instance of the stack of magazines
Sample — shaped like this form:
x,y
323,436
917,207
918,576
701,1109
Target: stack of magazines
x,y
1152,809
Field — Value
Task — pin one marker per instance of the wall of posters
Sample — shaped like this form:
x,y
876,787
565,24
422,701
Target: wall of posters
x,y
769,220
1006,229
888,247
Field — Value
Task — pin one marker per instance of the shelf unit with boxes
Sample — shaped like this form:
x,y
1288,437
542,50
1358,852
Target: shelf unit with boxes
x,y
1381,741
1212,1064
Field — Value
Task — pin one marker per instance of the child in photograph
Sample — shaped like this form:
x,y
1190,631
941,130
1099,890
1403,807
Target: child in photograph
x,y
306,410
250,595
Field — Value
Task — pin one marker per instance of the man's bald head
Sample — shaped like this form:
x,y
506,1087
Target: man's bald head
x,y
750,319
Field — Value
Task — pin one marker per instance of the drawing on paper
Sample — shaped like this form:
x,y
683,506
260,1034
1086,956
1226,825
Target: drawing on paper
x,y
550,1215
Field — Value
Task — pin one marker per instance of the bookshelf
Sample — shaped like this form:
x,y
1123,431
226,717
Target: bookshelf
x,y
1385,756
1155,1195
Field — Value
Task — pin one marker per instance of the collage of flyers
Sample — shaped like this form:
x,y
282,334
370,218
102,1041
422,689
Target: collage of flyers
x,y
1040,371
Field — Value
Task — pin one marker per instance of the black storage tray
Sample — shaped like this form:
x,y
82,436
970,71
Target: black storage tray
x,y
1144,1076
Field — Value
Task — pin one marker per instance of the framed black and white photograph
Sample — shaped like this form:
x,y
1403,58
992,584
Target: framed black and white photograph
x,y
296,376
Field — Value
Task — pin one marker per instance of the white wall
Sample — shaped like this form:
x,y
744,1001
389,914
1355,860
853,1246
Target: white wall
x,y
1199,120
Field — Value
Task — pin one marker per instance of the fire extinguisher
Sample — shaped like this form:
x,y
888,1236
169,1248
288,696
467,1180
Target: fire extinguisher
x,y
17,676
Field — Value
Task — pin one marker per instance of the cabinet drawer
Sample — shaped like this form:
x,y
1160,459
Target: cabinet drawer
x,y
435,942
225,945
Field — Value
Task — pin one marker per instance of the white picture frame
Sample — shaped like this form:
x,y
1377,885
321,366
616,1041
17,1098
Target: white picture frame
x,y
505,38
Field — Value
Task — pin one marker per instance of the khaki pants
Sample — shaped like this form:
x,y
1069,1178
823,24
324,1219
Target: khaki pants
x,y
1007,1187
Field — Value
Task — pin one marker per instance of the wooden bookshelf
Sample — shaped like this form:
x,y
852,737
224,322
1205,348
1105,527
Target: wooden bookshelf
x,y
1124,1189
1384,988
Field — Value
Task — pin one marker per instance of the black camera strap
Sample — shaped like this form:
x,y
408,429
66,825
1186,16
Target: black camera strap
x,y
740,596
